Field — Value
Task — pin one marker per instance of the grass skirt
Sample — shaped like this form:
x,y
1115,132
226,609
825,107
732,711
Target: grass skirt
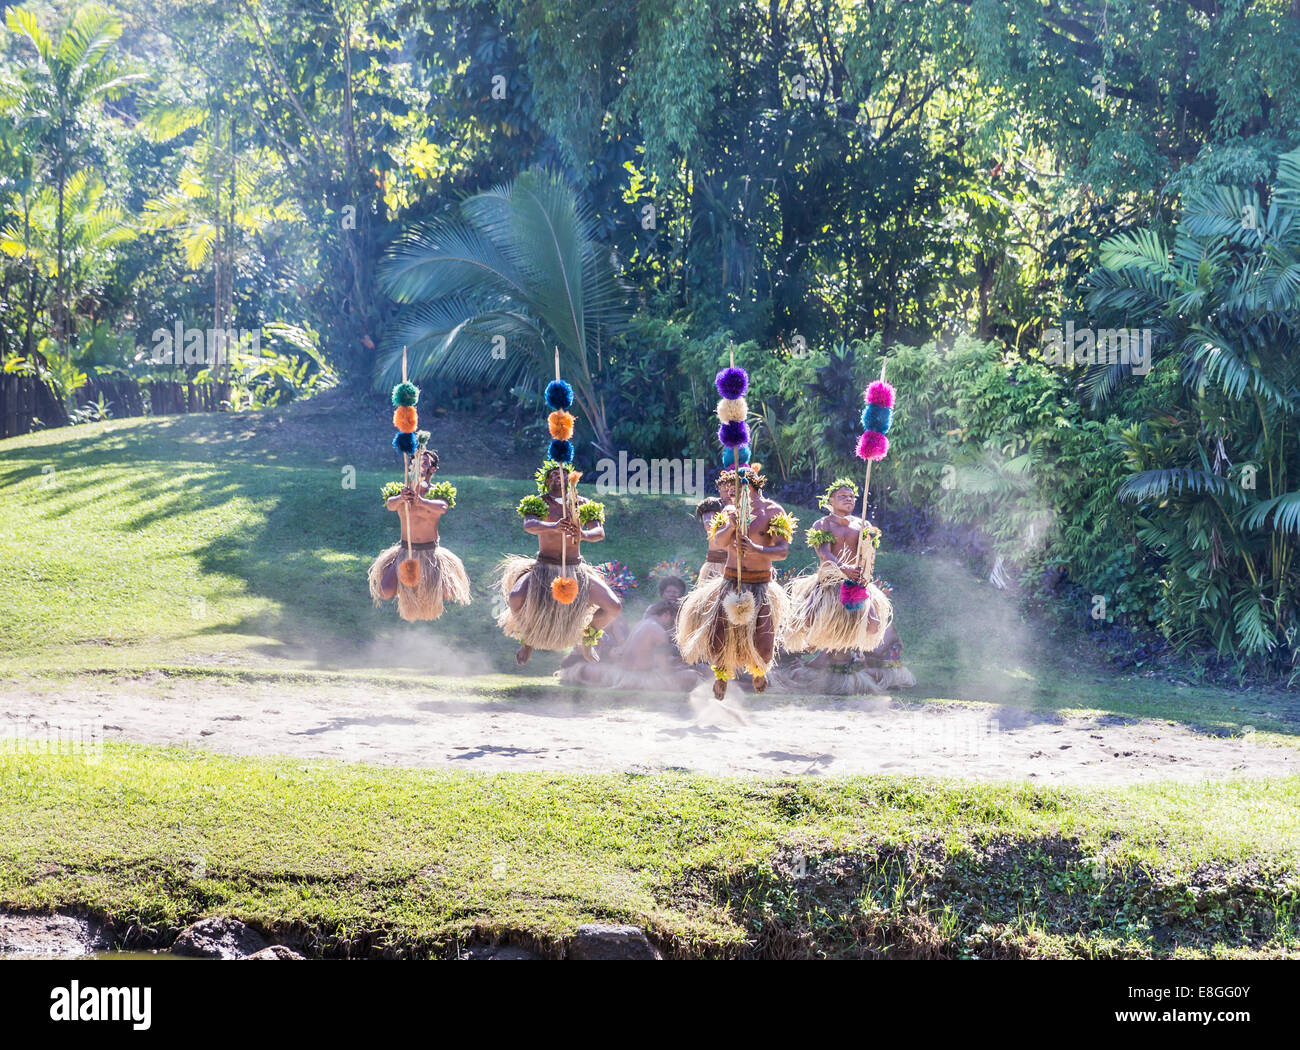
x,y
442,579
718,598
542,622
818,619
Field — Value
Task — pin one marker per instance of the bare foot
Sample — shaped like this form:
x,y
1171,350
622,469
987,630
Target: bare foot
x,y
590,655
521,657
760,683
720,688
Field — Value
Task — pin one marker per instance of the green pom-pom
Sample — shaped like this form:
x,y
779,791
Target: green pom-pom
x,y
405,394
443,490
422,440
532,507
591,511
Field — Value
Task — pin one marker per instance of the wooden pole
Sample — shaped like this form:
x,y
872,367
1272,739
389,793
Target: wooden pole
x,y
406,480
564,493
866,487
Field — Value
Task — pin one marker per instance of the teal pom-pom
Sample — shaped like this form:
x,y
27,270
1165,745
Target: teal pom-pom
x,y
878,418
730,455
404,443
559,395
405,394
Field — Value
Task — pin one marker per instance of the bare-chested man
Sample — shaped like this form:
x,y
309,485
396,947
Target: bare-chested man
x,y
733,624
839,609
442,576
533,614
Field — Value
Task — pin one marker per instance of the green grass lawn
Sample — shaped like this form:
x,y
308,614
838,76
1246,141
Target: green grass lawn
x,y
229,545
372,861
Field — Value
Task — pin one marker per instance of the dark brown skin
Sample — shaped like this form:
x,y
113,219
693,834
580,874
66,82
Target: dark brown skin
x,y
650,648
557,534
419,517
846,528
757,551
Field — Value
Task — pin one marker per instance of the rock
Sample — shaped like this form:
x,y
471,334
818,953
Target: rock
x,y
47,936
480,952
599,941
218,938
276,951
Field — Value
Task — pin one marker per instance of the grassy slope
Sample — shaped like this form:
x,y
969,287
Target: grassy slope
x,y
227,544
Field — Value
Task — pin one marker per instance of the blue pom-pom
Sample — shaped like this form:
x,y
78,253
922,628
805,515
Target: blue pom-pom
x,y
877,418
404,443
734,434
560,451
730,456
559,394
732,383
855,606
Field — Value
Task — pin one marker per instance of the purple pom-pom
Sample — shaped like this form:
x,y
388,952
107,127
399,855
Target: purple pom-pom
x,y
733,435
872,445
853,596
880,393
732,383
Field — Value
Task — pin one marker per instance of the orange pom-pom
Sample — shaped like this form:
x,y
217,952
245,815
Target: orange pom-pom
x,y
406,419
408,572
561,424
564,590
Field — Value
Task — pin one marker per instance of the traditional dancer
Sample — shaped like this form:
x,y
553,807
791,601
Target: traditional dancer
x,y
420,573
839,608
732,621
535,589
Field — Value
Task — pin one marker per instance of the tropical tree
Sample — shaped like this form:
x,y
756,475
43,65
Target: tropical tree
x,y
493,289
1218,472
63,81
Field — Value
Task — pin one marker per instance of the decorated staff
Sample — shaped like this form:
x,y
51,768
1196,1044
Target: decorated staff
x,y
430,575
731,621
839,608
556,601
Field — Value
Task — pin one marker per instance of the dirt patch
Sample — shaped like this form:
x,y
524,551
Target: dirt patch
x,y
561,730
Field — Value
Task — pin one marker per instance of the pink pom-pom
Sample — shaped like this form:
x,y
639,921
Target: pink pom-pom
x,y
852,595
873,446
880,393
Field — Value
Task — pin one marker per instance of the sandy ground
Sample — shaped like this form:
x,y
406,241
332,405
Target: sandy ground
x,y
593,731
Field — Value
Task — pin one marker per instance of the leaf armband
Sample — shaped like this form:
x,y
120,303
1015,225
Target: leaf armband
x,y
533,507
817,537
591,511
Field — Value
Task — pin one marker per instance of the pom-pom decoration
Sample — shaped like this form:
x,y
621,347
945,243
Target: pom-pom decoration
x,y
560,424
873,446
404,442
560,451
877,418
879,393
408,572
559,395
734,434
732,382
853,596
732,457
732,411
405,394
406,419
564,589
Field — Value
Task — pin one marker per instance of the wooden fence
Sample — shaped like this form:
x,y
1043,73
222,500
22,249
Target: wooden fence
x,y
26,399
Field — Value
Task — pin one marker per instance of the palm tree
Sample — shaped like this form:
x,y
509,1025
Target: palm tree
x,y
63,80
1217,473
518,261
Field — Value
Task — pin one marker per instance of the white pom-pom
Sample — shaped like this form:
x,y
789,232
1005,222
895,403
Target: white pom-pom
x,y
740,609
733,411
